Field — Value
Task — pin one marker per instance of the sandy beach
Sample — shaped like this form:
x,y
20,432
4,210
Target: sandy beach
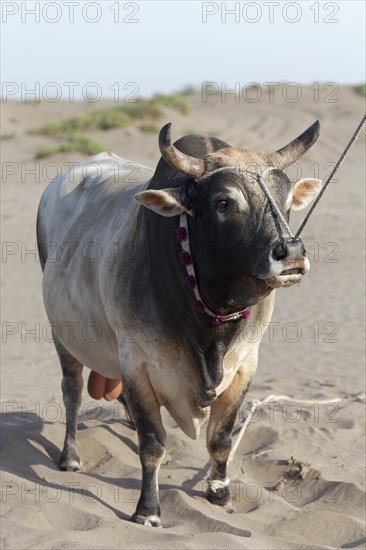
x,y
298,476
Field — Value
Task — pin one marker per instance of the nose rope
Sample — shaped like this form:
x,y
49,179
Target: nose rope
x,y
259,178
263,186
335,169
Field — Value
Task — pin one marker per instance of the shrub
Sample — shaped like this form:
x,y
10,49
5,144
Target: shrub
x,y
76,142
150,128
361,89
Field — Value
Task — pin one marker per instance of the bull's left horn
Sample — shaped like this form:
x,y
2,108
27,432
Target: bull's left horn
x,y
191,166
296,149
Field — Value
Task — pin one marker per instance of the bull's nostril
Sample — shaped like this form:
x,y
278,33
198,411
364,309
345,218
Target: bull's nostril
x,y
280,251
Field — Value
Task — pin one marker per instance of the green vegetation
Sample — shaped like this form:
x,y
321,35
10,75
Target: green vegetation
x,y
150,128
176,101
76,142
361,89
96,121
188,90
70,131
117,117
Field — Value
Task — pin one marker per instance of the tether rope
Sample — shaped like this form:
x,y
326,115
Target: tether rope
x,y
270,199
335,169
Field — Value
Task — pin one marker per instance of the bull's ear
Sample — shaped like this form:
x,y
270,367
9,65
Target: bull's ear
x,y
304,191
165,202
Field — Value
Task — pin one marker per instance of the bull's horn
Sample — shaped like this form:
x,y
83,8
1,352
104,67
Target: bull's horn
x,y
184,163
296,149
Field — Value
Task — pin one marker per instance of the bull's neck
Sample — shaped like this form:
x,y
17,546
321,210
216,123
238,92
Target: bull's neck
x,y
166,259
191,279
171,304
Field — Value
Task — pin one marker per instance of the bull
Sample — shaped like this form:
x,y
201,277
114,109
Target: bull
x,y
167,281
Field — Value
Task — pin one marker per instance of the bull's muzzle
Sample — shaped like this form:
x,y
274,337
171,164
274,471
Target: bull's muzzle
x,y
288,262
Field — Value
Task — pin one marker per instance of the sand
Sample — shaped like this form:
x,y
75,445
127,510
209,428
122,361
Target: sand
x,y
298,477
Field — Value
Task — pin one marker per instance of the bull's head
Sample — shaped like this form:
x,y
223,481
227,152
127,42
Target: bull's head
x,y
236,236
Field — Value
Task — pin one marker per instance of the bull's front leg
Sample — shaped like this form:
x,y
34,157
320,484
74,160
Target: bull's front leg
x,y
219,437
145,412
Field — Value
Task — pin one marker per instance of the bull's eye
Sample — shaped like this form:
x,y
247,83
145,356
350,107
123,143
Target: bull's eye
x,y
221,205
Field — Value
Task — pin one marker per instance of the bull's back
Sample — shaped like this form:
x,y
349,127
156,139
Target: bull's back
x,y
89,196
85,216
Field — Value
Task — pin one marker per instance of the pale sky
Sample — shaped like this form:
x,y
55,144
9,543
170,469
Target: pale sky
x,y
161,46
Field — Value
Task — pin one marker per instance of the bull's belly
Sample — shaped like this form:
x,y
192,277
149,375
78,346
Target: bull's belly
x,y
98,359
94,350
89,339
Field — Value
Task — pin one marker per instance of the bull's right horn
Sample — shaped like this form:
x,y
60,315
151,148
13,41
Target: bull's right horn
x,y
191,166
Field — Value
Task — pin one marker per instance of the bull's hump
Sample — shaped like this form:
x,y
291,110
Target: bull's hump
x,y
105,168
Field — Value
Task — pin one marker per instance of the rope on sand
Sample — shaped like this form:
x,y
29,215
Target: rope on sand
x,y
303,401
256,403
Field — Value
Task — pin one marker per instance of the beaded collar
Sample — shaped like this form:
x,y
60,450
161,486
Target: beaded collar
x,y
191,281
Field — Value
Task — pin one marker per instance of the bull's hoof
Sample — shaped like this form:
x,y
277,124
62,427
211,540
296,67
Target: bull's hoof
x,y
72,466
152,521
70,462
218,492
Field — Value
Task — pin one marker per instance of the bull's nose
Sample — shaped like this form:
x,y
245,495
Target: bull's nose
x,y
288,248
280,251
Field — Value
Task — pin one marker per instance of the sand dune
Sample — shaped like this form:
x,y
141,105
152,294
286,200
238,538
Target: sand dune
x,y
298,475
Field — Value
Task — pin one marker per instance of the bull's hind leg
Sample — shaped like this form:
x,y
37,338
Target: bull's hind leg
x,y
145,412
72,385
219,437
